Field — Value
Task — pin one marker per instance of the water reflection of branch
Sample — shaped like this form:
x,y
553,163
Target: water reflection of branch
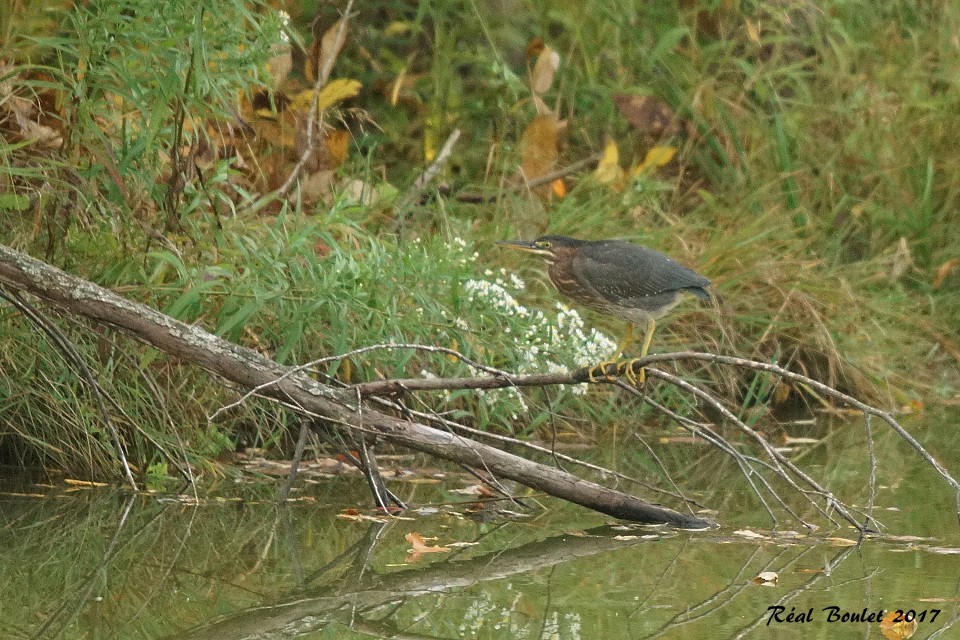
x,y
794,593
69,609
312,610
723,597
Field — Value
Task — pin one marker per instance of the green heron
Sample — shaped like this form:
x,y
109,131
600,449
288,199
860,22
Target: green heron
x,y
617,278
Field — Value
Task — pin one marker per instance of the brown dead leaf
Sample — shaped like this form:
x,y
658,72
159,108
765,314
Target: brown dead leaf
x,y
535,46
25,113
781,393
541,78
648,115
329,151
337,142
280,63
325,50
945,270
539,150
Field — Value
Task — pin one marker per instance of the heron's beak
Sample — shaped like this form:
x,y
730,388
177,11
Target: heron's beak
x,y
524,245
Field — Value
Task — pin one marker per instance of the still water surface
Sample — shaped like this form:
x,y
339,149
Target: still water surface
x,y
106,564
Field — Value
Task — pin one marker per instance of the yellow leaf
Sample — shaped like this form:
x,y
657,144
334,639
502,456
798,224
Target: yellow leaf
x,y
398,28
337,144
334,92
656,157
609,171
753,33
337,91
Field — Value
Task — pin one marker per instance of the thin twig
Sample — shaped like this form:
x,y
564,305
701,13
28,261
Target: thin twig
x,y
536,182
413,193
256,391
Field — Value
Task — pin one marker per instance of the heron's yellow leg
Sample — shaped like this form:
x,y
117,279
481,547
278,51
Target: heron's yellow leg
x,y
626,367
627,338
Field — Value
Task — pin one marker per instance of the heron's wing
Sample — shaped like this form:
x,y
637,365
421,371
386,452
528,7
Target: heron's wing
x,y
620,271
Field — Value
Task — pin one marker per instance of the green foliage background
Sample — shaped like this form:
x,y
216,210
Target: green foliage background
x,y
816,185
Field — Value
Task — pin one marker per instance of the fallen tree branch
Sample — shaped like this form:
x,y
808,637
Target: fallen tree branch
x,y
781,465
295,389
613,370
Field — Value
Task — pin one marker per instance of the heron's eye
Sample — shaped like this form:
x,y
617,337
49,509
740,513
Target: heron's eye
x,y
544,244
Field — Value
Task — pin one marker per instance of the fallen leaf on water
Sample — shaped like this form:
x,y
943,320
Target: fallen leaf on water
x,y
767,578
419,546
944,551
746,533
897,630
841,542
84,483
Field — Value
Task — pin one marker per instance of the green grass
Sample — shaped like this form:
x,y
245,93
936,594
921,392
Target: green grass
x,y
815,183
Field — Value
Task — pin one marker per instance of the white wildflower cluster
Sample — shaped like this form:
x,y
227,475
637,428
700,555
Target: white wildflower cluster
x,y
545,342
284,23
465,259
588,347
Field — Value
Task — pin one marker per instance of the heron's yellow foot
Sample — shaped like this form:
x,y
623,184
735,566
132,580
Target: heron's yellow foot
x,y
598,371
627,369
